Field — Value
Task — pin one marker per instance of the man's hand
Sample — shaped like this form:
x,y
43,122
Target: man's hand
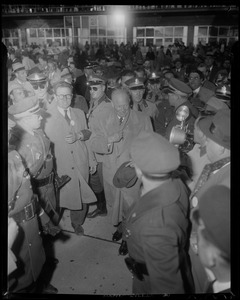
x,y
73,137
92,170
12,231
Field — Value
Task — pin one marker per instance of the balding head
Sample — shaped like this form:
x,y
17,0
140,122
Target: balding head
x,y
121,101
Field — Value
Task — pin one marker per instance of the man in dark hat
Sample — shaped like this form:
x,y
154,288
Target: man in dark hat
x,y
158,223
212,218
217,131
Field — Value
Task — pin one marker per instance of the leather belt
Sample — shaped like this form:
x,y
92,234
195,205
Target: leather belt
x,y
44,181
28,212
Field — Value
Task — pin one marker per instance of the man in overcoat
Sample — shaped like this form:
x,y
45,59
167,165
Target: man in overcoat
x,y
67,129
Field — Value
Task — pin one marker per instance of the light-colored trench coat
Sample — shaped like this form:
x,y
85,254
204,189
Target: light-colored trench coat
x,y
120,198
71,159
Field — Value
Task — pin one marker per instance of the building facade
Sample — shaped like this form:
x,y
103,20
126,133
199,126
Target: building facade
x,y
159,25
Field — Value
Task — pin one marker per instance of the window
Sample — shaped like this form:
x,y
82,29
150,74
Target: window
x,y
48,32
68,21
223,31
76,21
149,32
102,21
93,20
159,31
149,42
57,32
33,33
102,31
85,23
169,31
41,32
93,31
140,32
178,31
202,31
140,42
213,31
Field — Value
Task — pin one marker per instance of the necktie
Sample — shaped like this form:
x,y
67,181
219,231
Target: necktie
x,y
207,170
139,107
67,117
120,120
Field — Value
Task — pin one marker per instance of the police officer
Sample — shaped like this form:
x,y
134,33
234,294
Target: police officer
x,y
23,208
34,147
100,106
136,88
154,94
39,82
158,223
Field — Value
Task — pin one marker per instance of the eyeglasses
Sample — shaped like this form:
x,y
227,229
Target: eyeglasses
x,y
42,85
63,97
93,88
194,78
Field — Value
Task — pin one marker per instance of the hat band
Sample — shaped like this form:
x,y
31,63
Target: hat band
x,y
28,112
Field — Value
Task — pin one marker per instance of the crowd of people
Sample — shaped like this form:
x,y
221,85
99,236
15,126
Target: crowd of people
x,y
145,135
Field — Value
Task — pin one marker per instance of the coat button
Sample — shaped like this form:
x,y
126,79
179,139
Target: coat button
x,y
30,244
71,151
134,215
72,168
194,201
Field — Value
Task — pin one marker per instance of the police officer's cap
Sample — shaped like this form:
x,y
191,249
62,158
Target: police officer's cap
x,y
95,80
18,67
223,92
154,78
153,154
178,87
37,77
24,108
135,83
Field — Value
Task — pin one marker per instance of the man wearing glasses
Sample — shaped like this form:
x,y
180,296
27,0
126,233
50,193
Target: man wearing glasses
x,y
67,129
100,107
39,83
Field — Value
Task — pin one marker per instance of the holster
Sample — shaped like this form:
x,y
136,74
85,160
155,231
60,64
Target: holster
x,y
137,269
59,182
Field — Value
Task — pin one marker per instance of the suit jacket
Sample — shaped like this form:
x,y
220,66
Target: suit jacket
x,y
71,159
157,235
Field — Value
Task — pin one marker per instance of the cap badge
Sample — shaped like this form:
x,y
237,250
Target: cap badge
x,y
136,81
224,90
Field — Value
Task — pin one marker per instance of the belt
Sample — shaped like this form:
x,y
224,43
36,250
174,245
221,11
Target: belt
x,y
28,212
44,181
136,268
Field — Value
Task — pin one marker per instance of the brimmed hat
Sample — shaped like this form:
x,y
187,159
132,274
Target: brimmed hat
x,y
37,77
34,70
215,104
223,92
18,67
178,87
95,80
125,176
153,154
217,127
135,83
214,210
26,107
12,85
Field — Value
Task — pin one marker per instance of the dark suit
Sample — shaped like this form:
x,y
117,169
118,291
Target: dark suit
x,y
157,234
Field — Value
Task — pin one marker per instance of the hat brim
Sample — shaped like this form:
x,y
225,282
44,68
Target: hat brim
x,y
125,176
204,126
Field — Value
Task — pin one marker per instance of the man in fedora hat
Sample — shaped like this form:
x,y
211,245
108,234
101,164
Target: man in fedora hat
x,y
157,224
212,218
216,128
21,77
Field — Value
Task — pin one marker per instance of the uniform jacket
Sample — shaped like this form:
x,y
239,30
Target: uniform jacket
x,y
73,160
203,95
148,108
157,235
28,248
25,85
96,116
179,74
201,279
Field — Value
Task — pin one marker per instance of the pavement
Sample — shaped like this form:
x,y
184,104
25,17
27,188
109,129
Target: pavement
x,y
89,264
